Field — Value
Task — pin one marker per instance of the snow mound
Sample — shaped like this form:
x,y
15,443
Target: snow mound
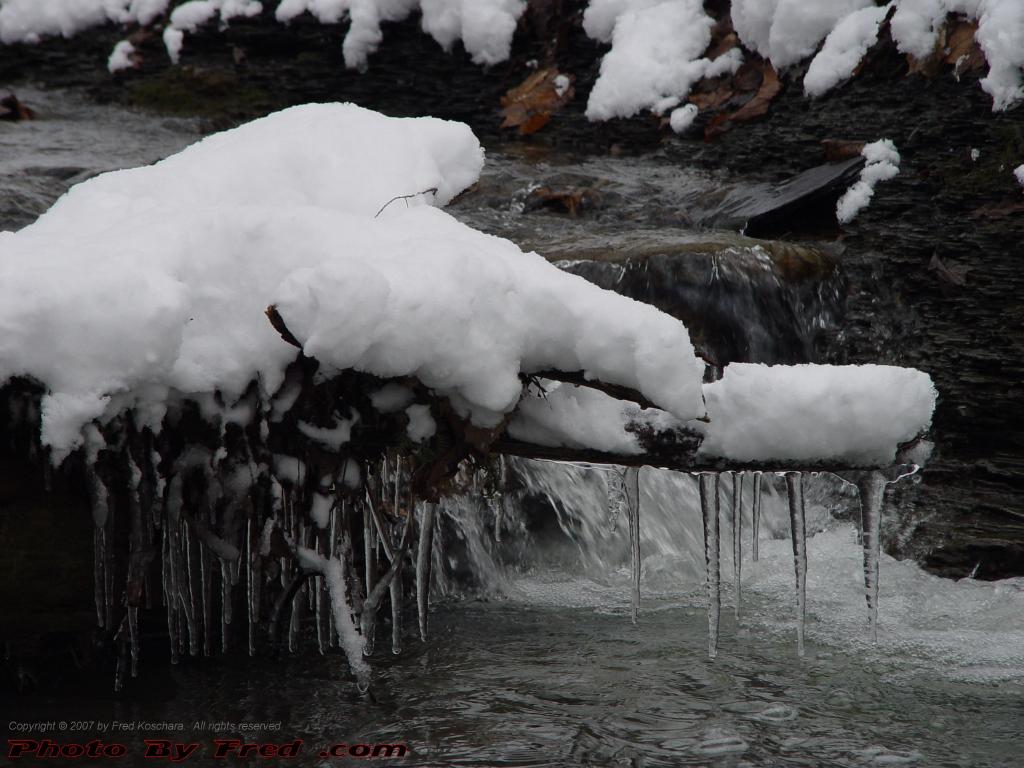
x,y
883,164
852,414
656,55
145,284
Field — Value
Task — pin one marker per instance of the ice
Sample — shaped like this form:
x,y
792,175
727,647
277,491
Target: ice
x,y
755,523
333,571
251,588
616,496
871,486
709,504
737,529
424,553
798,533
631,483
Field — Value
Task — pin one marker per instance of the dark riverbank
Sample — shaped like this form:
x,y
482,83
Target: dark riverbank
x,y
932,267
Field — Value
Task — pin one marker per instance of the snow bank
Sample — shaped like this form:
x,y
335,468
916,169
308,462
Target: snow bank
x,y
854,414
883,163
140,284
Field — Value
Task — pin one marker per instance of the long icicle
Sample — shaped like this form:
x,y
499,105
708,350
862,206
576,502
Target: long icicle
x,y
632,483
423,557
250,587
755,522
737,528
709,512
798,530
871,486
397,601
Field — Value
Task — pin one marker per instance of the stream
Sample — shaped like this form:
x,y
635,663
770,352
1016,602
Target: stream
x,y
532,659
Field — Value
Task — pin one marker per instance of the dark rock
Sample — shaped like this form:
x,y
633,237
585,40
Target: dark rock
x,y
803,204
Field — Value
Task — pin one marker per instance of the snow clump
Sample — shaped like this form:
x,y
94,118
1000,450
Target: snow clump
x,y
883,163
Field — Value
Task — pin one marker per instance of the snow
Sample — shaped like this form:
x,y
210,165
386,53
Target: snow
x,y
683,118
855,415
843,50
391,398
788,31
121,57
145,285
883,163
656,53
1018,174
576,417
174,41
1001,36
656,44
421,423
600,17
331,437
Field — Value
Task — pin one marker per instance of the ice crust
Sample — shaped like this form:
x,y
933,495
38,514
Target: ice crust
x,y
141,285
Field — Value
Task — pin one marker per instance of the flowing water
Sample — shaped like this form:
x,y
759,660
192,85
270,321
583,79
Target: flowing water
x,y
532,659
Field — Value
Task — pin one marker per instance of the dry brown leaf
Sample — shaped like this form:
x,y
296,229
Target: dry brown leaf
x,y
530,104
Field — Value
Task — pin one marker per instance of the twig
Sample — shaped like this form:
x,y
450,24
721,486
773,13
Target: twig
x,y
404,197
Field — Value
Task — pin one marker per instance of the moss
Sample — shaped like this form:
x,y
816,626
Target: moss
x,y
216,94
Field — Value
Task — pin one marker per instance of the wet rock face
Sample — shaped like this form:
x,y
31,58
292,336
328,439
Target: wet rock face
x,y
742,300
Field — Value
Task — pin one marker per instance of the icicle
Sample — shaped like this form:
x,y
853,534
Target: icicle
x,y
250,586
225,605
170,592
334,572
423,556
798,529
756,515
133,637
397,600
616,497
99,553
631,482
872,500
737,526
709,511
206,599
188,596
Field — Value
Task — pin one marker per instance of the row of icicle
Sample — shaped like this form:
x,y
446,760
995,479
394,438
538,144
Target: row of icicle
x,y
624,493
200,570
